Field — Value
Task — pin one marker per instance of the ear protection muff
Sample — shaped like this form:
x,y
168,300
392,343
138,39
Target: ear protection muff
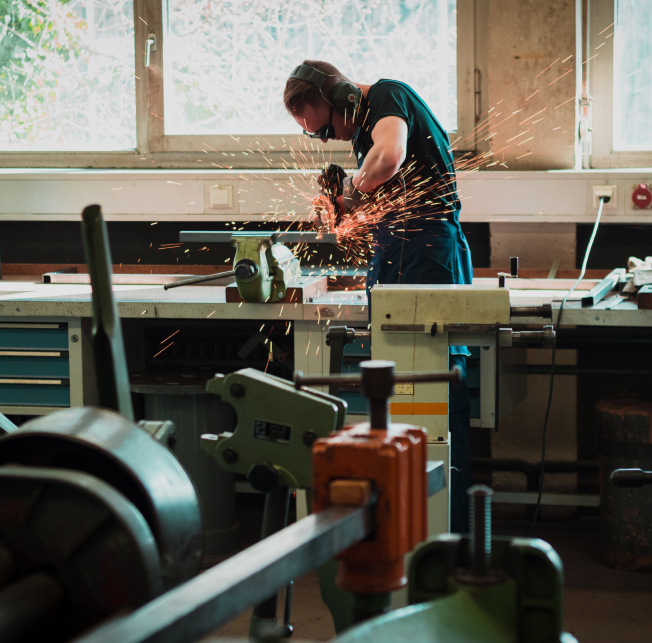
x,y
341,94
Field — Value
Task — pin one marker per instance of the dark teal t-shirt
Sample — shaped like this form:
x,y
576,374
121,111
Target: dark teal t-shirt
x,y
428,169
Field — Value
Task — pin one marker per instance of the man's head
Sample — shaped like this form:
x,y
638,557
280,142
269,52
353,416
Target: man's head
x,y
312,110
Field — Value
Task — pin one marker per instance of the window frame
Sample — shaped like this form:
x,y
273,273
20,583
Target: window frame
x,y
157,150
600,80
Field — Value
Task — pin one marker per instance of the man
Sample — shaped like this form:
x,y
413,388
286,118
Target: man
x,y
405,187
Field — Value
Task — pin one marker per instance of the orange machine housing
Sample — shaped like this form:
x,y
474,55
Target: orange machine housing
x,y
395,462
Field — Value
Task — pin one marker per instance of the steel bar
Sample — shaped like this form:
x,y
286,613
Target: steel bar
x,y
111,371
453,376
207,236
202,604
603,288
199,280
120,279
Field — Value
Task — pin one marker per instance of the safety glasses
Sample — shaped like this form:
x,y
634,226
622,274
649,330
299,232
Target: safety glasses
x,y
327,131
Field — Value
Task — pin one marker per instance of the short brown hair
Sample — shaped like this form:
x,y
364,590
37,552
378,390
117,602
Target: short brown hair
x,y
298,92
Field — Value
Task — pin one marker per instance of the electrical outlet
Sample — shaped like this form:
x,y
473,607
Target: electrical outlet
x,y
605,190
221,196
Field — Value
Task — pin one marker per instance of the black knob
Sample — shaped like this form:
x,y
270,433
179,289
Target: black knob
x,y
263,477
513,266
237,390
230,456
245,269
308,438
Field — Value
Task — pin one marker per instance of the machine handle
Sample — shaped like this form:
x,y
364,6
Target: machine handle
x,y
454,376
624,478
199,280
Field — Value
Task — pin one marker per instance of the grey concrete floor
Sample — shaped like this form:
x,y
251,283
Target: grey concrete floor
x,y
602,605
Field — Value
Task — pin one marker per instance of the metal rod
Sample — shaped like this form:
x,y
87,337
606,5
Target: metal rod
x,y
275,518
544,310
199,280
453,376
209,236
197,607
108,348
480,519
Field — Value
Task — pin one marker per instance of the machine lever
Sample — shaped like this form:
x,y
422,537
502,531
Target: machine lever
x,y
624,478
199,280
108,347
378,378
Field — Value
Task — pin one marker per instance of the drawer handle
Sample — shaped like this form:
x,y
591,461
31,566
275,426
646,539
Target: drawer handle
x,y
34,381
5,353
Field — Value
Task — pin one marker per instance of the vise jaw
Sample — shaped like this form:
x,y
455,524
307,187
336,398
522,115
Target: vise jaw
x,y
275,430
263,269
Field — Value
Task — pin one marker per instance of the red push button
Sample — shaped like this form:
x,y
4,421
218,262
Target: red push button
x,y
642,196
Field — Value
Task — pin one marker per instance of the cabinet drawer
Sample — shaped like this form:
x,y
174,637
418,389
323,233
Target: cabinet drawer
x,y
35,394
46,336
34,365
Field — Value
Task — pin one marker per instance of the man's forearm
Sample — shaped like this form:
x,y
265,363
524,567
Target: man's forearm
x,y
377,169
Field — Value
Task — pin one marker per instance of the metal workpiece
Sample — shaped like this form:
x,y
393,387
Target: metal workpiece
x,y
604,287
627,478
199,280
111,372
204,603
209,236
63,530
276,428
106,445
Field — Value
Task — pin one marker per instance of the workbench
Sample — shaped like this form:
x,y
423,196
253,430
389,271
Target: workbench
x,y
45,330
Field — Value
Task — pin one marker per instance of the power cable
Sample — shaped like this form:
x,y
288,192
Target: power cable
x,y
603,200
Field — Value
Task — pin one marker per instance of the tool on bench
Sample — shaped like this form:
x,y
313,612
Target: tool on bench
x,y
264,269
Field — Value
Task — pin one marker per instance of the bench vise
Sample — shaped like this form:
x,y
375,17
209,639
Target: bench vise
x,y
263,268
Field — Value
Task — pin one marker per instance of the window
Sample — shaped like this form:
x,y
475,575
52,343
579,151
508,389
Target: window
x,y
76,90
67,75
226,62
619,58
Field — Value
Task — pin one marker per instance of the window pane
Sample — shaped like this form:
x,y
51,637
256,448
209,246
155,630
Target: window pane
x,y
226,62
633,75
67,75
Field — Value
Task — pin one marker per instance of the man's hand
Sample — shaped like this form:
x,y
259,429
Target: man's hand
x,y
331,181
352,198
